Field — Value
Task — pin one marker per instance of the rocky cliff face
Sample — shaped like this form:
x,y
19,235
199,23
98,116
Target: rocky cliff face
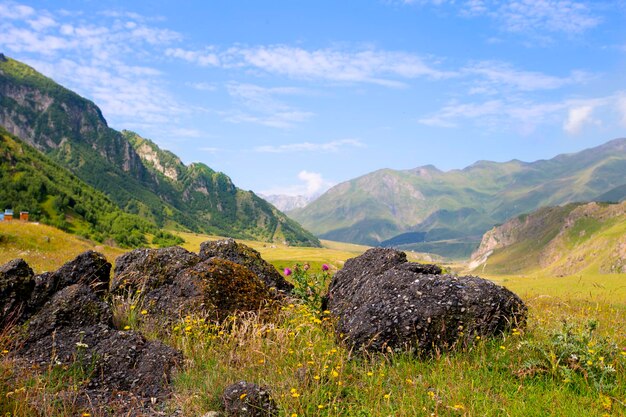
x,y
563,239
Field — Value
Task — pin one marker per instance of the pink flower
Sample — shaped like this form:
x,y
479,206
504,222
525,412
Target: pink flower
x,y
325,267
287,271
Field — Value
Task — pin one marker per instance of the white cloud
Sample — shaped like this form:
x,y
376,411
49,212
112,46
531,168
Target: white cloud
x,y
280,120
262,107
531,17
499,75
332,146
203,86
312,184
566,16
202,58
520,115
15,11
386,68
576,119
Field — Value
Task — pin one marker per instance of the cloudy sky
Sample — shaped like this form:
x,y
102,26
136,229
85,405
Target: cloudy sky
x,y
295,96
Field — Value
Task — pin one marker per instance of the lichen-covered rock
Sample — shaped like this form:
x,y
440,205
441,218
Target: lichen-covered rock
x,y
246,399
89,268
215,288
244,255
382,301
147,269
16,286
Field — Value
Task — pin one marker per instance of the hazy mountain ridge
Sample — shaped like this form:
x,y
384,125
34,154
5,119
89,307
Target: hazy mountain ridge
x,y
387,203
137,175
564,240
287,203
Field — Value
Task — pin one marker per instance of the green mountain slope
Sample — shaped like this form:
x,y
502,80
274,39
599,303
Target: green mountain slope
x,y
30,181
561,241
72,131
447,212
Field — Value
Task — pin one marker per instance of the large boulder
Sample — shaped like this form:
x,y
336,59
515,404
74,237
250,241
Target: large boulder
x,y
147,269
214,288
244,255
22,293
382,302
16,286
89,268
175,282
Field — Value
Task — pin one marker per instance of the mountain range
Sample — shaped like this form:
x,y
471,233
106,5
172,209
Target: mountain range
x,y
562,240
133,172
287,202
429,210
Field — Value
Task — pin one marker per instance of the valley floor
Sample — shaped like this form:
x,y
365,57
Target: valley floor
x,y
526,373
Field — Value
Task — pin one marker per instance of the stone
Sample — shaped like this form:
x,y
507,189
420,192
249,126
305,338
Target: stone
x,y
75,328
214,288
244,255
246,399
383,302
147,269
16,286
89,268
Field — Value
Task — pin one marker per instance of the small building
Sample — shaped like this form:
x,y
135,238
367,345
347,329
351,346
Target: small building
x,y
24,216
8,215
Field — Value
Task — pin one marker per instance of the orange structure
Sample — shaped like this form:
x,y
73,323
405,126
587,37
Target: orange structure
x,y
8,215
24,216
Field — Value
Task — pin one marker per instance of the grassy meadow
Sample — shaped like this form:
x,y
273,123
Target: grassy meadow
x,y
526,373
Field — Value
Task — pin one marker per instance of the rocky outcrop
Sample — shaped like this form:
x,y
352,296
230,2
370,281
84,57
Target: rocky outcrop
x,y
69,323
382,301
22,293
246,399
16,286
246,256
227,277
147,269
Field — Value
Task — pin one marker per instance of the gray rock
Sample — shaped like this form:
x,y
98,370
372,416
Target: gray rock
x,y
244,255
382,301
246,399
16,286
147,269
89,268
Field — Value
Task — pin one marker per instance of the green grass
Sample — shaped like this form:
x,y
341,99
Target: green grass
x,y
297,356
45,248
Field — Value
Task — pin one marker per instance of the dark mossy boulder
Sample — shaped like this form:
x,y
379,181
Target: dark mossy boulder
x,y
382,302
147,269
214,288
16,286
244,255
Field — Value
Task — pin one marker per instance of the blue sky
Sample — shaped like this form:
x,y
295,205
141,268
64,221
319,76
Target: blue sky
x,y
294,96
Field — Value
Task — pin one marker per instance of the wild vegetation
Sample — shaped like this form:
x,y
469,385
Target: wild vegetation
x,y
52,195
570,359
